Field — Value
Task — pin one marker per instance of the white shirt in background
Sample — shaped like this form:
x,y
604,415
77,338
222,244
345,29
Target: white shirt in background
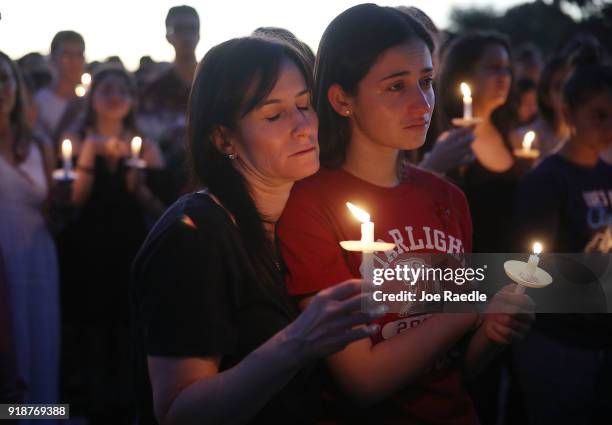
x,y
51,108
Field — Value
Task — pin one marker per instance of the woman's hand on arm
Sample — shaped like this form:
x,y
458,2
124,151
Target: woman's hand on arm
x,y
193,391
368,373
508,318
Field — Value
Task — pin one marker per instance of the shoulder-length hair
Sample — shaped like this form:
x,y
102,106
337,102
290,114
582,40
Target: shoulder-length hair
x,y
350,46
103,71
458,65
17,117
233,78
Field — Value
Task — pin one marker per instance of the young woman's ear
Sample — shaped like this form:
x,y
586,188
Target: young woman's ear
x,y
339,100
223,142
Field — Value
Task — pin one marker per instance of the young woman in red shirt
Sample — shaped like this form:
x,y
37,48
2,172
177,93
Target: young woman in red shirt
x,y
374,99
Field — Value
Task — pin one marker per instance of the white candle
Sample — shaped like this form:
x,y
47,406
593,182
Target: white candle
x,y
136,145
367,238
532,264
67,156
528,141
467,101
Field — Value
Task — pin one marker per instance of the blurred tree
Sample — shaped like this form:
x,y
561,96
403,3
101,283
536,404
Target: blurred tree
x,y
544,23
586,7
472,18
600,25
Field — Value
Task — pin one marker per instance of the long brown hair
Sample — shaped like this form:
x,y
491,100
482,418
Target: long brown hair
x,y
20,130
458,64
234,78
350,46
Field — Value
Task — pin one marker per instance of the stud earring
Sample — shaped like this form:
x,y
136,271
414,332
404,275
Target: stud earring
x,y
347,112
232,156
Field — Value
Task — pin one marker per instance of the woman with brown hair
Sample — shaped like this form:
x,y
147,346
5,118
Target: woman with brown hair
x,y
374,99
482,60
112,201
217,338
27,246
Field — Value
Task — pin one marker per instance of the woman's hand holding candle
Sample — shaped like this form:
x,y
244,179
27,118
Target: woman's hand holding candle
x,y
332,320
509,316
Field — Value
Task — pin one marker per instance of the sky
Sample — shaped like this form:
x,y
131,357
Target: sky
x,y
132,28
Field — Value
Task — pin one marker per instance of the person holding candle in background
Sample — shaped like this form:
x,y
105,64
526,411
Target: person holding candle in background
x,y
26,244
109,133
113,202
549,125
565,203
551,183
481,61
374,99
217,339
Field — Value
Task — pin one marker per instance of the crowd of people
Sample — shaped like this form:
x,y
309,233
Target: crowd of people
x,y
184,266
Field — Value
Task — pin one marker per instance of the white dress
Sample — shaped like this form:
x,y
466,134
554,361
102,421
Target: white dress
x,y
31,265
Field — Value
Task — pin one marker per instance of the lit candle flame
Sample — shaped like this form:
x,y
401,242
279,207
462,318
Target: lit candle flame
x,y
80,90
136,145
360,214
537,248
67,149
465,89
528,140
86,79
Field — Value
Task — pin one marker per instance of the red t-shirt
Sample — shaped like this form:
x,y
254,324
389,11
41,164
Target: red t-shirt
x,y
424,214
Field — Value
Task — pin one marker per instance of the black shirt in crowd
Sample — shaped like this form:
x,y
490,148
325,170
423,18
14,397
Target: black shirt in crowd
x,y
568,208
194,293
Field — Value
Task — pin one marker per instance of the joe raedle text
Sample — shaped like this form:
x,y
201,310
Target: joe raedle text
x,y
419,280
446,296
